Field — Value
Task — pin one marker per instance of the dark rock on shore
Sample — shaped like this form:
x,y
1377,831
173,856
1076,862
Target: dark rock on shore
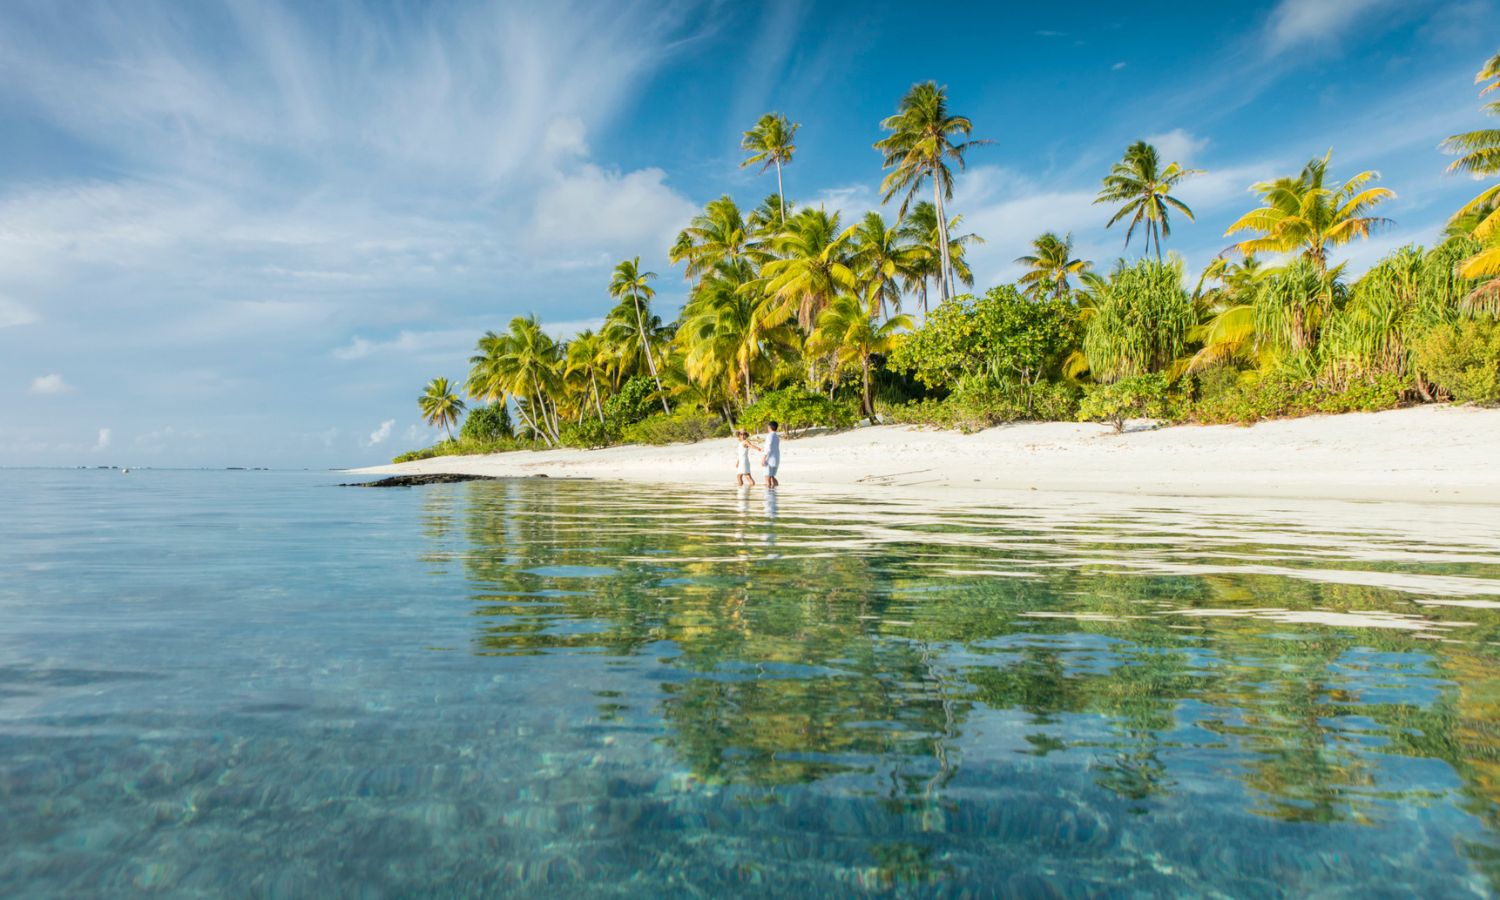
x,y
416,480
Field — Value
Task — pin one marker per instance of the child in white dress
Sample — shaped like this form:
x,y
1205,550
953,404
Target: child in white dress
x,y
742,474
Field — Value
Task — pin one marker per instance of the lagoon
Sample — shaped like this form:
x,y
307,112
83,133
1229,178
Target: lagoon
x,y
261,683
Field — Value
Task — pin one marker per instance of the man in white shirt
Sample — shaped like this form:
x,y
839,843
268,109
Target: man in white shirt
x,y
772,459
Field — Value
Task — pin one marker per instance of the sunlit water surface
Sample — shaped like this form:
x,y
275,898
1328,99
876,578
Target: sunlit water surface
x,y
262,684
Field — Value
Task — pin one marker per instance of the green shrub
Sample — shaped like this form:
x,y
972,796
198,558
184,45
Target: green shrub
x,y
797,409
487,423
1463,359
462,447
976,404
1131,397
1002,334
1280,394
685,426
636,399
590,434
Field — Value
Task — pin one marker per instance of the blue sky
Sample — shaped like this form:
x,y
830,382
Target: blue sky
x,y
248,233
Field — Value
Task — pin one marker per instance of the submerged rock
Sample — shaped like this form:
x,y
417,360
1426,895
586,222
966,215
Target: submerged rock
x,y
415,480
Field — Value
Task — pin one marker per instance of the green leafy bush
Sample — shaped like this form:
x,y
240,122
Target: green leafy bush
x,y
976,404
636,399
468,447
1131,397
797,409
1002,335
683,426
1141,322
1282,393
1463,359
487,423
589,434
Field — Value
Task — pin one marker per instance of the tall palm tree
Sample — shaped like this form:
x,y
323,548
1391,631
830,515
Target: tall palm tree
x,y
628,281
771,143
813,265
725,335
523,364
1049,265
923,137
440,406
589,354
1479,154
847,330
920,228
1305,213
717,234
1143,190
885,258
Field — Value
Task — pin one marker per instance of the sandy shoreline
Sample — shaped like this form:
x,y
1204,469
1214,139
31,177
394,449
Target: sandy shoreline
x,y
1429,453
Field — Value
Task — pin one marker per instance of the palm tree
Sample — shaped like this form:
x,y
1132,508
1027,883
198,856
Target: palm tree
x,y
1227,311
629,281
589,354
920,228
769,218
1303,213
1479,154
847,330
922,137
1143,190
1050,263
724,336
885,258
440,406
717,234
771,143
813,266
522,364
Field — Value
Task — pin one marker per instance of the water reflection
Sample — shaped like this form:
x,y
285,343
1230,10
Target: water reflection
x,y
1194,669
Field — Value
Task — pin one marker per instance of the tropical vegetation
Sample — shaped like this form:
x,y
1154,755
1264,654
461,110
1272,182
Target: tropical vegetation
x,y
797,314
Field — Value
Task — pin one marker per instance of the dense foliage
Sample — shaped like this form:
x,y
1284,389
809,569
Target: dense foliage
x,y
796,315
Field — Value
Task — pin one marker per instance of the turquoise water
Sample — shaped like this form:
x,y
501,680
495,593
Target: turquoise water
x,y
261,684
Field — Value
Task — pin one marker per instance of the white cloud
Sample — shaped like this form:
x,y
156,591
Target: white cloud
x,y
454,343
1295,22
379,435
592,207
50,384
106,437
13,313
851,202
1009,210
1117,67
1177,145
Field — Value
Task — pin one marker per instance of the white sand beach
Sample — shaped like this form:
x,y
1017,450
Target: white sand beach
x,y
1428,453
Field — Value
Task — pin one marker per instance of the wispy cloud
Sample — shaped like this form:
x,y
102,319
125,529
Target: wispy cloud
x,y
1177,145
1295,22
13,313
50,384
381,434
106,437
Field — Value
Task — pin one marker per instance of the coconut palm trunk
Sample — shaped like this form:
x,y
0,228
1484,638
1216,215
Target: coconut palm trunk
x,y
947,273
640,325
780,192
869,407
594,381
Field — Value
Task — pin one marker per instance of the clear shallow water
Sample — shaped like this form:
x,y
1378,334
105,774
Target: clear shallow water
x,y
259,684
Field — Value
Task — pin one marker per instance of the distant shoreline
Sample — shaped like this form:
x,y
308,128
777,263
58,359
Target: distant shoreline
x,y
1420,454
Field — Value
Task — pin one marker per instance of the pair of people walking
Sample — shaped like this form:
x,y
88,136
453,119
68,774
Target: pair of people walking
x,y
770,456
